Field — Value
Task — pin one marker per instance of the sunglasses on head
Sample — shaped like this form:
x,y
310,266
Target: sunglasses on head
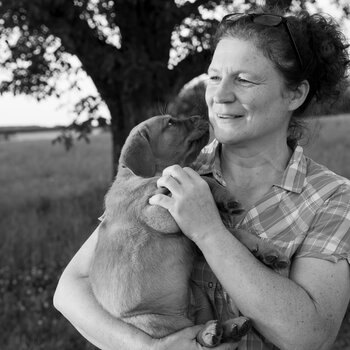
x,y
268,20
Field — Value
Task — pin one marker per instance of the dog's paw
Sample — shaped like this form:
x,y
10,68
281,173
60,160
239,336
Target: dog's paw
x,y
235,329
210,335
262,249
229,211
270,256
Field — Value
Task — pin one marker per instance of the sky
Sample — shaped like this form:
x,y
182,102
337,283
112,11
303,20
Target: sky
x,y
24,110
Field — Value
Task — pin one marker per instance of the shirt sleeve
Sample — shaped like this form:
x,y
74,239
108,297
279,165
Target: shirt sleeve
x,y
329,235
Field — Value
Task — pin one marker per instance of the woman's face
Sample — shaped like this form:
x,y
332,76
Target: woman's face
x,y
247,100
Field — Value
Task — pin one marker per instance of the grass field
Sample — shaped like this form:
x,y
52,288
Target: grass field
x,y
49,204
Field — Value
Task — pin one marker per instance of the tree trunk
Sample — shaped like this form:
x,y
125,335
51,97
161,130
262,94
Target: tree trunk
x,y
125,114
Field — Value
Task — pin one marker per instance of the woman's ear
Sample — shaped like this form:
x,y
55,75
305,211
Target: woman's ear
x,y
298,95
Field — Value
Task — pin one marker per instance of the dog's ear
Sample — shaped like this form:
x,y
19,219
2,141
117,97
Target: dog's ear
x,y
137,155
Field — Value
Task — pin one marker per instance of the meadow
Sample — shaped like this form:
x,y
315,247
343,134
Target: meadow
x,y
50,200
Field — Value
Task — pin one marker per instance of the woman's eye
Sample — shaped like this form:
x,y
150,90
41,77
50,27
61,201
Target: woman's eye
x,y
242,80
214,78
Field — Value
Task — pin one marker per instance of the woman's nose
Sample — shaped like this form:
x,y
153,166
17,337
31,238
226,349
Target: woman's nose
x,y
224,93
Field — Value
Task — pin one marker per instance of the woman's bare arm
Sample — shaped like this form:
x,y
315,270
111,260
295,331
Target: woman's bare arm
x,y
75,300
304,312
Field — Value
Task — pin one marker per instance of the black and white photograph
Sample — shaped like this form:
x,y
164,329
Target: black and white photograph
x,y
174,174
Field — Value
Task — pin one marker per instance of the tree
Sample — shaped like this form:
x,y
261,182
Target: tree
x,y
131,77
122,45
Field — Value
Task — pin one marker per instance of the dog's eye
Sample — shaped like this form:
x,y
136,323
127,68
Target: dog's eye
x,y
171,123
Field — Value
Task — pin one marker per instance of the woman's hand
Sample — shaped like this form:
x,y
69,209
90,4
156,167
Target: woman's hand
x,y
186,340
191,204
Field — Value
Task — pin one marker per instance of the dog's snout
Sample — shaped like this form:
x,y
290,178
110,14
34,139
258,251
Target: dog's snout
x,y
197,119
199,122
199,130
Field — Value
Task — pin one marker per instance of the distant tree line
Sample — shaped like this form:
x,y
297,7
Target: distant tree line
x,y
138,53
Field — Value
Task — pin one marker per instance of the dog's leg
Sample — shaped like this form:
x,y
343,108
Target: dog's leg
x,y
230,331
229,209
210,336
262,250
225,201
234,329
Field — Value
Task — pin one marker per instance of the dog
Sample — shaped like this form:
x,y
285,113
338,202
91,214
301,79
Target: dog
x,y
142,263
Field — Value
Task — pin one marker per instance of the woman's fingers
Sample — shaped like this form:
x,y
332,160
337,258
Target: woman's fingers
x,y
187,178
177,180
190,172
191,203
226,346
184,340
170,182
190,332
176,172
161,200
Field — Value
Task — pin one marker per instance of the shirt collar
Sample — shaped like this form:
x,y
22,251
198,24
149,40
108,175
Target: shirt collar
x,y
294,176
208,162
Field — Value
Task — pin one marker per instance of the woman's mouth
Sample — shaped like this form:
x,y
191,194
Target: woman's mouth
x,y
229,116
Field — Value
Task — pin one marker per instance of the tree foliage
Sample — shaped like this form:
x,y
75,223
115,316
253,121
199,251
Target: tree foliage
x,y
138,53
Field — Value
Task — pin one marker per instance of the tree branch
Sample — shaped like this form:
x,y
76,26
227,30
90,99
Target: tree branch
x,y
190,8
98,57
192,66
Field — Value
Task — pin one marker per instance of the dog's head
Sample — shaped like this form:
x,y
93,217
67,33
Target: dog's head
x,y
162,141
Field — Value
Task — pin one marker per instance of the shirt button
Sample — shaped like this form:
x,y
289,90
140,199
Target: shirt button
x,y
210,284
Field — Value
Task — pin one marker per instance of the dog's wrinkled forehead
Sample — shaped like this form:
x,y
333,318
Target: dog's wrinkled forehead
x,y
158,122
161,123
163,140
152,125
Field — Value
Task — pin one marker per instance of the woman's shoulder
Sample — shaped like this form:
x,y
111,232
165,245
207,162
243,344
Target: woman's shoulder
x,y
324,181
326,201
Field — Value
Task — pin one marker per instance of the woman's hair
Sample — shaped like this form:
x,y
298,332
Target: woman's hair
x,y
320,43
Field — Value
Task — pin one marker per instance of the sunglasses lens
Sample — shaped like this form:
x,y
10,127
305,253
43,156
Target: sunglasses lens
x,y
233,17
268,20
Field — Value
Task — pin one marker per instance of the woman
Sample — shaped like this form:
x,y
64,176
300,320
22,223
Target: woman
x,y
264,72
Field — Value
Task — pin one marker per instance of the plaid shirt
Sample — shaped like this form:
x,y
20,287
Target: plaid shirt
x,y
306,214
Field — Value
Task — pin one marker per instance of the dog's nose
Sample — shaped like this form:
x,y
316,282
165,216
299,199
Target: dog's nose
x,y
195,118
199,123
198,120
